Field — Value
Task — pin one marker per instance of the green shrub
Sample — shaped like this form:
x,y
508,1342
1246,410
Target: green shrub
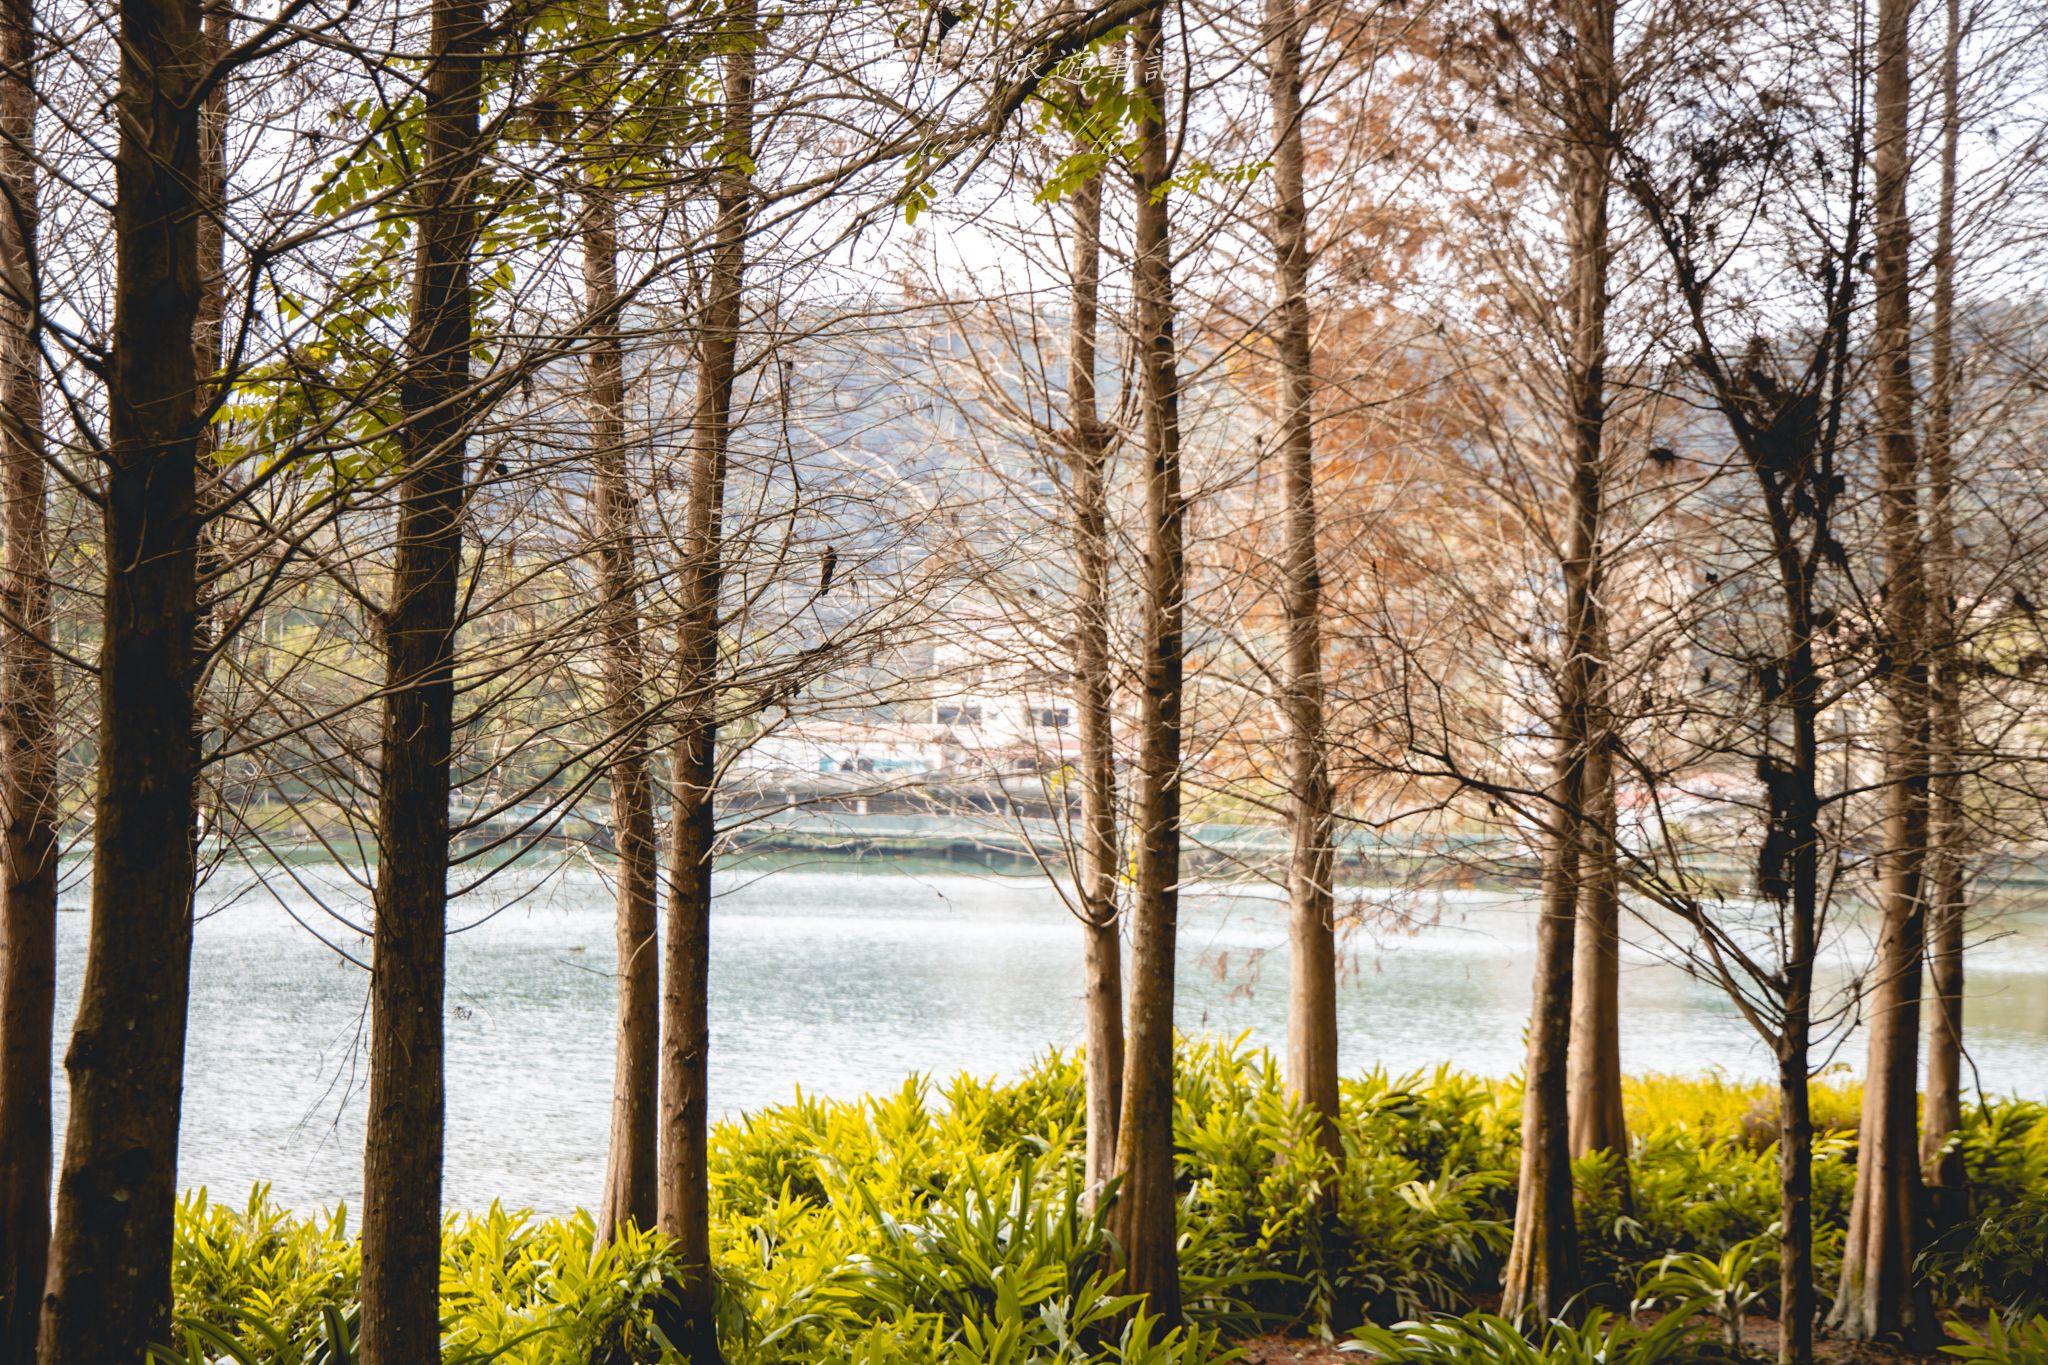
x,y
1487,1339
1413,1219
2024,1344
1993,1257
1707,1193
949,1225
234,1267
1725,1287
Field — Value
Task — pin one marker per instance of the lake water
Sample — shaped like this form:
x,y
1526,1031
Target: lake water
x,y
842,979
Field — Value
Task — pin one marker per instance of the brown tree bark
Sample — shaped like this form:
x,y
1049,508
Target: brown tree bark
x,y
207,330
1143,1216
1594,1077
1947,832
208,340
401,1244
1311,891
1102,948
28,855
1543,1259
1593,1080
1879,1296
685,1194
108,1289
631,1182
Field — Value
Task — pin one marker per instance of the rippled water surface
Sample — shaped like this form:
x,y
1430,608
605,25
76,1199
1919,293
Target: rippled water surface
x,y
841,980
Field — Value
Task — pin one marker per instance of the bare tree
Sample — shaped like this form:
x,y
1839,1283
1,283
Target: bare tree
x,y
401,1282
1143,1217
1542,1271
1312,934
685,1188
118,1188
1102,952
28,900
1879,1295
1787,416
631,1185
1947,867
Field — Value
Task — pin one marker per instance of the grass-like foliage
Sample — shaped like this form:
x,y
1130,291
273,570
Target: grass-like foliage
x,y
948,1225
2025,1343
1486,1339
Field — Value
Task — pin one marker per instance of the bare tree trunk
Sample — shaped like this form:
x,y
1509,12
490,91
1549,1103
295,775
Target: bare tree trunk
x,y
1795,1201
401,1244
1102,954
685,1196
1543,1259
1594,1077
1312,931
1943,1167
1800,814
1879,1295
108,1290
631,1183
1594,1083
28,903
207,333
1103,988
208,338
1143,1216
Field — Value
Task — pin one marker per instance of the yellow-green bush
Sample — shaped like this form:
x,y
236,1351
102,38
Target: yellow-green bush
x,y
948,1225
1713,1104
